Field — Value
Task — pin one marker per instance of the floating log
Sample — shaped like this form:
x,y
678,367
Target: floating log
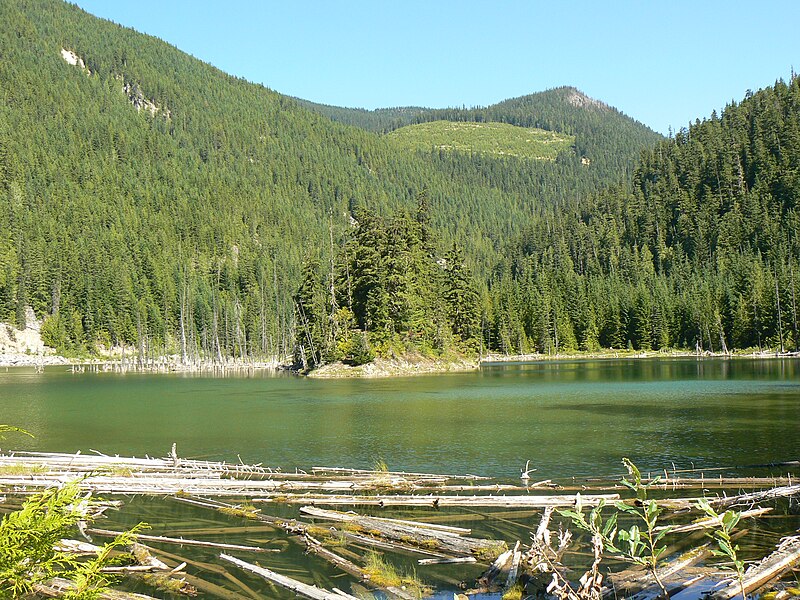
x,y
447,561
298,587
771,567
708,522
520,501
417,534
315,547
786,491
684,504
373,472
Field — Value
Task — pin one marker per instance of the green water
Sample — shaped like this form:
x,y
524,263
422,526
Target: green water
x,y
567,418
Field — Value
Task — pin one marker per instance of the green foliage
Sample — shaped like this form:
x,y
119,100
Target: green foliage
x,y
28,539
727,522
385,294
639,544
498,139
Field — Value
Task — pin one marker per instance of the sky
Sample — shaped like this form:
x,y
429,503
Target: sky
x,y
662,62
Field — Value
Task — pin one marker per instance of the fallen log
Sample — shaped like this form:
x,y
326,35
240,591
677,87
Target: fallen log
x,y
708,522
373,472
391,545
513,572
298,587
447,561
417,535
771,567
520,501
314,512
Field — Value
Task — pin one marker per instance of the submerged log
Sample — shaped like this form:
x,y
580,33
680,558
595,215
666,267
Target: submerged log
x,y
298,587
184,542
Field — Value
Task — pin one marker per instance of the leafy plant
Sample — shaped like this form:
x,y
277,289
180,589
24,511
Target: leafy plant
x,y
28,546
639,544
727,522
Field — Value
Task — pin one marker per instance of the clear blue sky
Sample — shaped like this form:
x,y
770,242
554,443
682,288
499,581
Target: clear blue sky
x,y
663,62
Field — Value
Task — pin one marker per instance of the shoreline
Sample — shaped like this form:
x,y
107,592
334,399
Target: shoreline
x,y
379,368
165,364
491,359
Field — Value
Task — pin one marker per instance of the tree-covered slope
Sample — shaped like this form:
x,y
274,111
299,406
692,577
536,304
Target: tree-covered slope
x,y
604,137
701,250
151,199
379,120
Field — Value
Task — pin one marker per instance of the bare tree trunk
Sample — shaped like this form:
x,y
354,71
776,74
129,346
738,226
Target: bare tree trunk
x,y
778,306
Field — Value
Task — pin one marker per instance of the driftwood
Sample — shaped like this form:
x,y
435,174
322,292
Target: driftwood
x,y
417,534
337,516
786,555
298,587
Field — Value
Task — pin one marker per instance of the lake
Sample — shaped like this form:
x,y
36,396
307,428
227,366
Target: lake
x,y
568,418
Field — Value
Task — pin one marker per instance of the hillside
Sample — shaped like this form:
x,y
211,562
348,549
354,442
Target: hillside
x,y
604,137
153,200
379,120
494,139
699,251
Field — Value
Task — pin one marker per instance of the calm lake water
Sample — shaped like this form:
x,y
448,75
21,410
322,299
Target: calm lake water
x,y
569,418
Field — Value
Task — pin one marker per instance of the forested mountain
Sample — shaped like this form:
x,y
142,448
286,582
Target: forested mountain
x,y
604,137
700,251
379,120
150,199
